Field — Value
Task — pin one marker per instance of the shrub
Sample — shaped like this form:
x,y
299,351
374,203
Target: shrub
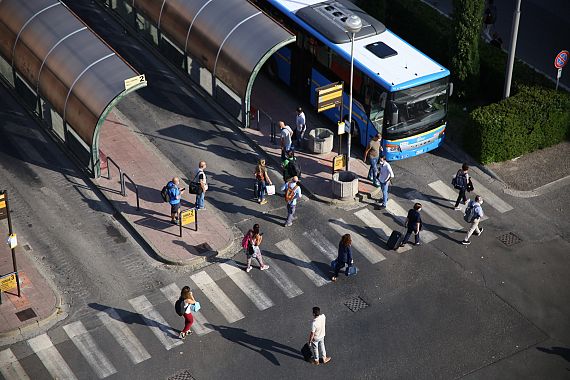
x,y
534,118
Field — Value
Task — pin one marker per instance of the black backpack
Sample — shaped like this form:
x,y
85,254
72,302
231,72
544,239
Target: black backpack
x,y
293,169
165,193
179,306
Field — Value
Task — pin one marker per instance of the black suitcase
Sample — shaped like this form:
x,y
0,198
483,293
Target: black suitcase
x,y
394,240
306,352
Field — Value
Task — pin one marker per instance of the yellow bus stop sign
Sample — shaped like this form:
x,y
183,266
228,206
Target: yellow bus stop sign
x,y
339,162
8,282
188,216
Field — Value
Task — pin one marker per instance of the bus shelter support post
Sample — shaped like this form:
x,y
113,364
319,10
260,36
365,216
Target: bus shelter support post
x,y
10,231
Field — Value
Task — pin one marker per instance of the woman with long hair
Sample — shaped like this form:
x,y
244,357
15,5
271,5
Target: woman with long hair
x,y
344,255
253,251
261,180
188,297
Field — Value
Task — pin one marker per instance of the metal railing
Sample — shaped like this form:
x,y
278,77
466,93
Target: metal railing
x,y
134,184
257,113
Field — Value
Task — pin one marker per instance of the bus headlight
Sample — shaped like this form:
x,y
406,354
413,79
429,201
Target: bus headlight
x,y
391,148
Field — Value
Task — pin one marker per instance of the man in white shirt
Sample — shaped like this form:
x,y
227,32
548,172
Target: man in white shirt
x,y
286,139
301,122
385,174
317,337
292,187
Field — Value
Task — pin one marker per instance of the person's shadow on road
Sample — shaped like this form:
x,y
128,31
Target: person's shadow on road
x,y
266,347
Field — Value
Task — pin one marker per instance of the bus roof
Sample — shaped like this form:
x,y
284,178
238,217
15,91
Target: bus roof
x,y
403,66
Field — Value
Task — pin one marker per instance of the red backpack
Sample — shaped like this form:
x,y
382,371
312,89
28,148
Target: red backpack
x,y
246,240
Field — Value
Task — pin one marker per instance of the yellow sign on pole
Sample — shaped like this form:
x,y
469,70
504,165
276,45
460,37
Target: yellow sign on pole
x,y
339,162
188,216
3,211
329,96
131,82
8,282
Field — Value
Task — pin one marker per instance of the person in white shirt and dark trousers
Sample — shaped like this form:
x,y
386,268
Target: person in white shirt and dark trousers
x,y
301,122
385,174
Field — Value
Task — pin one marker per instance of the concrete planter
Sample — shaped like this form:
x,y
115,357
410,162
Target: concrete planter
x,y
345,185
320,140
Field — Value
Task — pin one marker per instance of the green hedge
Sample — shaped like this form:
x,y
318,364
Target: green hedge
x,y
534,118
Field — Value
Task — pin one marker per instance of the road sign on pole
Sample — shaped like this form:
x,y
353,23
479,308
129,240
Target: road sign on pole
x,y
329,96
559,62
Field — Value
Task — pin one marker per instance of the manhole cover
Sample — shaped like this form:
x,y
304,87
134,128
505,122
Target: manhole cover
x,y
509,239
183,375
355,304
26,314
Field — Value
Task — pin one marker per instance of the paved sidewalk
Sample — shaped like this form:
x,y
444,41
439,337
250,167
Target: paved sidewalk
x,y
316,168
150,170
38,303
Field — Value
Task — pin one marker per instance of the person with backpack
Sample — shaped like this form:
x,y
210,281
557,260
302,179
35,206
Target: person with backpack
x,y
184,307
173,194
414,224
250,243
290,167
344,256
261,180
292,195
203,185
473,215
461,182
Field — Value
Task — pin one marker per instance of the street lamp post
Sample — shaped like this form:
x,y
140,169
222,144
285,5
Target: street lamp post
x,y
353,26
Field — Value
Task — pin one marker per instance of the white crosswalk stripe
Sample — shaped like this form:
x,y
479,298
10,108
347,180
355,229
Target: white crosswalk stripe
x,y
323,245
297,257
448,194
434,211
280,279
172,292
152,318
217,297
379,227
123,335
361,244
247,285
10,368
400,214
490,198
89,349
50,357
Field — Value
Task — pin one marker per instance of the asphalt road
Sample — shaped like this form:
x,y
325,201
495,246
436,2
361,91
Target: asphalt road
x,y
441,310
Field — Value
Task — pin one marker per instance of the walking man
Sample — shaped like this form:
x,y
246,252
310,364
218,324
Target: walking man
x,y
301,122
460,182
175,195
385,174
317,337
413,223
203,185
373,151
473,215
292,195
286,139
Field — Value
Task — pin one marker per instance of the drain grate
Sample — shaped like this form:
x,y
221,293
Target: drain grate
x,y
182,375
355,304
509,239
26,314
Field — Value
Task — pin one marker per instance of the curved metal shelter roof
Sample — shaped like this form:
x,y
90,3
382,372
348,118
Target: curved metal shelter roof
x,y
65,62
231,38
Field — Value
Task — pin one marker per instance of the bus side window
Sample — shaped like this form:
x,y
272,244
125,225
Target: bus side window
x,y
377,106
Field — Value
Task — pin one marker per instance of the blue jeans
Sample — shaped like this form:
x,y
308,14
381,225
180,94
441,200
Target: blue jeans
x,y
260,190
384,186
373,171
200,199
290,213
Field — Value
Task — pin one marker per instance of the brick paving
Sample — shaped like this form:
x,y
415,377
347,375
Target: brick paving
x,y
150,170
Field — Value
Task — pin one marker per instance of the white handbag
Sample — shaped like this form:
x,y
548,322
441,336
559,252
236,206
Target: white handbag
x,y
270,189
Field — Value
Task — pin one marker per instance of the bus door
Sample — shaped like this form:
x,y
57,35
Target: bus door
x,y
301,70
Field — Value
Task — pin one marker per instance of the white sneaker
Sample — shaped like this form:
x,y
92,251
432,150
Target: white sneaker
x,y
264,267
248,269
458,208
182,335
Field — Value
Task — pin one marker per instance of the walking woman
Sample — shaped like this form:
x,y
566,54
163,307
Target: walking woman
x,y
262,179
344,255
253,251
189,300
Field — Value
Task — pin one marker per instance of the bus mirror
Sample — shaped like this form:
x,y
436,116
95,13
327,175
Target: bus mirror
x,y
450,88
393,113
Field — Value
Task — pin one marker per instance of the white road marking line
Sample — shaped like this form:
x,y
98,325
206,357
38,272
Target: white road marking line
x,y
89,349
10,367
247,285
155,322
217,297
361,244
490,198
297,257
434,211
172,292
123,335
401,214
50,357
379,227
280,279
448,193
323,245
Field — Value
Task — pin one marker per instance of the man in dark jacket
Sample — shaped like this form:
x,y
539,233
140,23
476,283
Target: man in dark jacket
x,y
414,224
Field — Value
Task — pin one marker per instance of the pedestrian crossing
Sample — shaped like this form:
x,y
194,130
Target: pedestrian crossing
x,y
227,293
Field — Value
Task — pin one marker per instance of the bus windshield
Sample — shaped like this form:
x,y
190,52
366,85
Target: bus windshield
x,y
411,109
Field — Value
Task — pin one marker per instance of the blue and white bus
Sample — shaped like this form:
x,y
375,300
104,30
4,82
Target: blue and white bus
x,y
398,91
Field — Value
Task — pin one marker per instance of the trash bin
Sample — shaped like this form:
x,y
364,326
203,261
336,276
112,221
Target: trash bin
x,y
345,185
320,140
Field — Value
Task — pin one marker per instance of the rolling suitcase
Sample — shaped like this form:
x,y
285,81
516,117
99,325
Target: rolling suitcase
x,y
394,240
306,352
